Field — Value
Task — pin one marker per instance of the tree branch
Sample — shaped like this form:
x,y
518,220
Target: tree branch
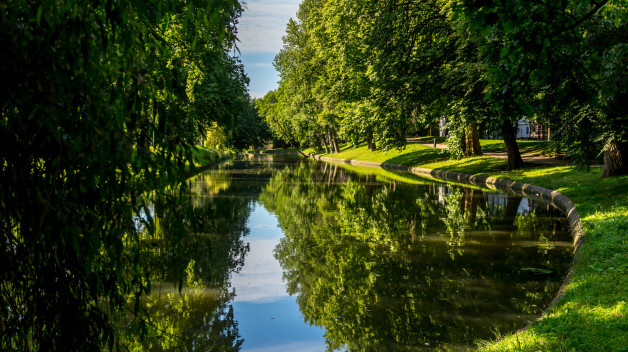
x,y
597,7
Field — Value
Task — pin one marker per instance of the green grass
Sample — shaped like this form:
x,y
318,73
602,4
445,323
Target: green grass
x,y
412,154
205,156
592,312
525,147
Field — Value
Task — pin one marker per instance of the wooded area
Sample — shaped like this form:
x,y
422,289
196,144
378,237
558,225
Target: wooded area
x,y
101,105
375,70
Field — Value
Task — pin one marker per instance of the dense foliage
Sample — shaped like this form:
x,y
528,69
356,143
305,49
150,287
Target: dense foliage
x,y
373,71
100,104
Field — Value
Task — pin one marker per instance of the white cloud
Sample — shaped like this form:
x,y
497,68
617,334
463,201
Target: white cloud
x,y
260,279
262,64
263,23
258,95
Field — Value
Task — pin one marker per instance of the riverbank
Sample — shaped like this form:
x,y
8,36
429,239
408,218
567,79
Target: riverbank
x,y
205,158
591,313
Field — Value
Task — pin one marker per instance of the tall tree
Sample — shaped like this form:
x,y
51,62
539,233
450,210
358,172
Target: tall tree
x,y
568,54
96,109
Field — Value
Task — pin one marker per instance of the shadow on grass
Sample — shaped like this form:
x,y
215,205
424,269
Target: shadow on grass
x,y
419,157
476,165
532,147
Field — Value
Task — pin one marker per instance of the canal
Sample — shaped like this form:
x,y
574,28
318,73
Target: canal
x,y
289,254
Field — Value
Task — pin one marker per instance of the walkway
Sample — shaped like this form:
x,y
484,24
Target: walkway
x,y
528,158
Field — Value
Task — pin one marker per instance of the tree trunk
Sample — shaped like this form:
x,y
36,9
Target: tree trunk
x,y
334,141
472,141
471,205
511,208
401,134
369,141
616,159
463,144
512,149
477,149
324,143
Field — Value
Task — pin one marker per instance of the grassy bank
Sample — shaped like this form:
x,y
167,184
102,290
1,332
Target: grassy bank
x,y
592,312
274,151
205,156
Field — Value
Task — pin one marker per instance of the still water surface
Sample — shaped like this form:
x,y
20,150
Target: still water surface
x,y
295,255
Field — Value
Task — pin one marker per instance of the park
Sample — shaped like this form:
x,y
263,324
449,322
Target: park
x,y
383,197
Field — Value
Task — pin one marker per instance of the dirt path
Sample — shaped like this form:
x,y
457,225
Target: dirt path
x,y
528,158
534,159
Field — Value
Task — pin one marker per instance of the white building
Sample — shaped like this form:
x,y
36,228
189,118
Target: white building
x,y
523,129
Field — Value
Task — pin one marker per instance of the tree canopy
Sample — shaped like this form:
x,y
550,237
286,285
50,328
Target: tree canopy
x,y
371,71
100,105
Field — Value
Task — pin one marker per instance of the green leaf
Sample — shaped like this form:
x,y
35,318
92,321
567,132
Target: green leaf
x,y
40,11
504,52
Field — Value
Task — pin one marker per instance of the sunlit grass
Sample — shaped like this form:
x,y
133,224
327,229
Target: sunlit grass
x,y
205,156
410,155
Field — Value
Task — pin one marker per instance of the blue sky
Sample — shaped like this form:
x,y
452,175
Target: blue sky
x,y
261,27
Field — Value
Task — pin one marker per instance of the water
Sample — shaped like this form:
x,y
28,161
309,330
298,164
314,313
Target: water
x,y
294,255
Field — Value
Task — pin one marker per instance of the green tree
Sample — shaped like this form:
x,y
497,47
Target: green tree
x,y
566,55
99,107
251,130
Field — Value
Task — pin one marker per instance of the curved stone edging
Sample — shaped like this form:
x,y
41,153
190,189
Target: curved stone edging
x,y
531,191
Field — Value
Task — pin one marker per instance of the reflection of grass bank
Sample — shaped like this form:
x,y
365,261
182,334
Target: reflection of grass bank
x,y
274,151
592,312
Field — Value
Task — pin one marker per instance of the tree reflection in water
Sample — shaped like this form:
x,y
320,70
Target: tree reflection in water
x,y
189,301
386,266
381,265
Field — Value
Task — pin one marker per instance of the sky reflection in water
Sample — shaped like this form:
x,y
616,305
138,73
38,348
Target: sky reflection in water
x,y
262,306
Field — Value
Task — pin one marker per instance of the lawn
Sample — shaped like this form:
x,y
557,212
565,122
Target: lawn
x,y
411,154
525,147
